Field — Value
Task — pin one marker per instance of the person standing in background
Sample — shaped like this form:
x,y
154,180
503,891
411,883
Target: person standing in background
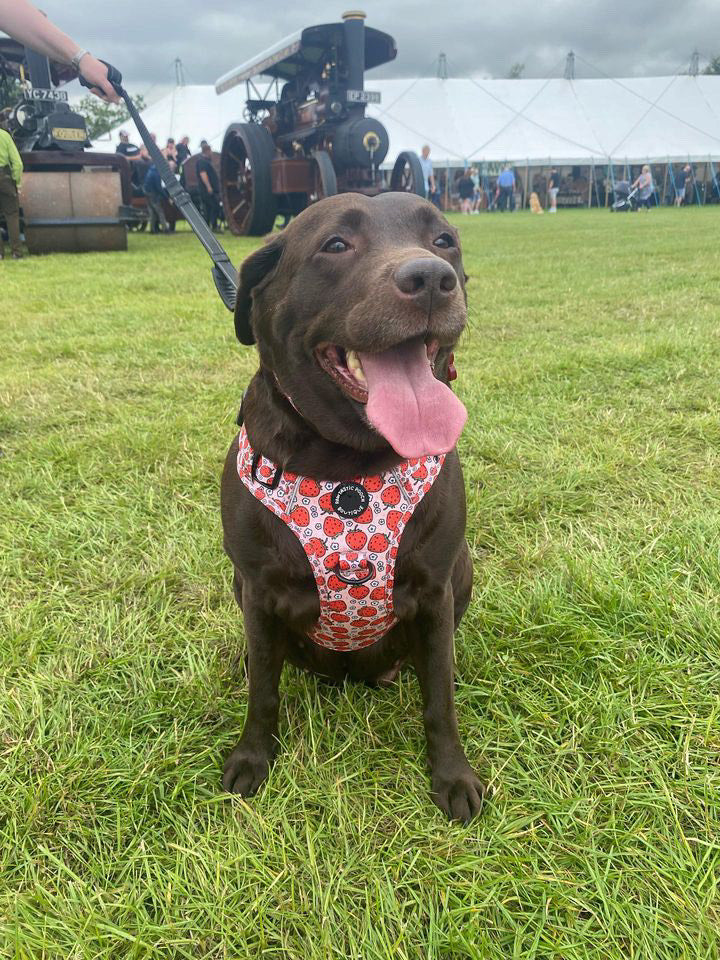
x,y
153,190
11,170
466,191
553,188
645,187
183,151
428,175
26,24
478,190
681,182
209,185
126,148
506,188
170,153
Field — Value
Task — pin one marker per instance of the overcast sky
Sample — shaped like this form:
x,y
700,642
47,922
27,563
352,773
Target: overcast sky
x,y
643,37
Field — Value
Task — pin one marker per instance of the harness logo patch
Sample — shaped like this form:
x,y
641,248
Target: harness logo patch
x,y
350,500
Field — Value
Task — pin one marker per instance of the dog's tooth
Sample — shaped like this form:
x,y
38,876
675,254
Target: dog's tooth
x,y
355,366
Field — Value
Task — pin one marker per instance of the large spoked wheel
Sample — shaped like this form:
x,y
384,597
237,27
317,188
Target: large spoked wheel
x,y
245,176
324,181
407,175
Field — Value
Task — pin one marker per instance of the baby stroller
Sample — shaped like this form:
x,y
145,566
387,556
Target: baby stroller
x,y
624,196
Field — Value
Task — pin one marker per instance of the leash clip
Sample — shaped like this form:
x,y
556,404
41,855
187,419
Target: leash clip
x,y
273,485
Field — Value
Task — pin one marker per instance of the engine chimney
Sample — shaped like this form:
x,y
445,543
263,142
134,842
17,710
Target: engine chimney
x,y
355,48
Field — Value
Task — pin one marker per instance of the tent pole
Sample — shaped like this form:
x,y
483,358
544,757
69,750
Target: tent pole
x,y
592,170
665,184
672,174
447,181
527,176
655,189
597,194
697,192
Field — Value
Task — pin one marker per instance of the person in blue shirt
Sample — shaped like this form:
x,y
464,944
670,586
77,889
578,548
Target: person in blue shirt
x,y
506,190
153,190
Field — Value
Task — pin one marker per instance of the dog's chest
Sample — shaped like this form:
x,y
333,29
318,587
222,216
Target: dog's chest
x,y
350,532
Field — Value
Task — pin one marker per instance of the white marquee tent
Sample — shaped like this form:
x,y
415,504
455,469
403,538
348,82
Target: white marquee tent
x,y
527,122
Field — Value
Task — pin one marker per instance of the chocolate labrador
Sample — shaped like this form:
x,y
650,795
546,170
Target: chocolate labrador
x,y
343,504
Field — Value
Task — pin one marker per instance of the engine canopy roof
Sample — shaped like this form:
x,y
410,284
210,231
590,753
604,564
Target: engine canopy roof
x,y
307,49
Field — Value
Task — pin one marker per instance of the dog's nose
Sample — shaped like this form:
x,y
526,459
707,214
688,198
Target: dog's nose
x,y
425,278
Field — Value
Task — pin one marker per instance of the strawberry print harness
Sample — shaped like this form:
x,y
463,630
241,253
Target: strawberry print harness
x,y
350,531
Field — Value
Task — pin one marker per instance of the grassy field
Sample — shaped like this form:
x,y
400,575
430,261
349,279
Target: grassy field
x,y
588,665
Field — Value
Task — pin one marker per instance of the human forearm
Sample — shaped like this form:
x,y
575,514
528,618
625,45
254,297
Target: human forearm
x,y
22,21
25,23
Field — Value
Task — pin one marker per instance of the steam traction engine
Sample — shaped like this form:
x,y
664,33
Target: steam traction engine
x,y
72,200
306,135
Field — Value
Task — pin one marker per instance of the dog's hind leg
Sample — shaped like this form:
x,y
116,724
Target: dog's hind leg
x,y
249,763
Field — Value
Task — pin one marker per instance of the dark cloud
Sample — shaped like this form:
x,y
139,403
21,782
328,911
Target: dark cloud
x,y
647,37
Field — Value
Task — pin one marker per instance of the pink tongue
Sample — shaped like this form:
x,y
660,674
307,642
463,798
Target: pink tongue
x,y
417,414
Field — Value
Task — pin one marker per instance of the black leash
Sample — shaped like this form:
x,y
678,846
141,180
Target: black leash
x,y
224,273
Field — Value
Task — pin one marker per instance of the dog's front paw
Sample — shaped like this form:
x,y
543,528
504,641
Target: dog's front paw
x,y
458,792
245,770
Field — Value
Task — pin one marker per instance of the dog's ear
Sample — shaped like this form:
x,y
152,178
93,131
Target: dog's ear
x,y
255,269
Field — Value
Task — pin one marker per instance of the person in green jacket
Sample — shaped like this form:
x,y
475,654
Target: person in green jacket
x,y
11,169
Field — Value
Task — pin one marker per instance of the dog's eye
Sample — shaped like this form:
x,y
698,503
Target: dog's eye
x,y
336,245
445,240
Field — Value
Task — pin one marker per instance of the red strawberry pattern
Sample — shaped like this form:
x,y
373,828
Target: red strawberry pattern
x,y
391,495
393,518
378,543
356,539
354,568
359,593
332,526
314,547
300,516
309,487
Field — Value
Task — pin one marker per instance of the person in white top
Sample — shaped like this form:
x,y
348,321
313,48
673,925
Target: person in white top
x,y
427,169
645,187
26,24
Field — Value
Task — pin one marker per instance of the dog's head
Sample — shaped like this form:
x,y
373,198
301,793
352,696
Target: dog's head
x,y
356,307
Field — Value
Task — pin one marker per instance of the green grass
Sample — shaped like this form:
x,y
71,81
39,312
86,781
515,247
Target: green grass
x,y
588,664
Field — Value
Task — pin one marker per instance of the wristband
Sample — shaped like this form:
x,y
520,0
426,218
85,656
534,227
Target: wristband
x,y
75,62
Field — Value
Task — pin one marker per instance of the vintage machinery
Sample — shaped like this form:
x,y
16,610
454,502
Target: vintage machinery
x,y
71,200
306,136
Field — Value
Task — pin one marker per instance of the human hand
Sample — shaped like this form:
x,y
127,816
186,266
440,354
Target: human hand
x,y
96,74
